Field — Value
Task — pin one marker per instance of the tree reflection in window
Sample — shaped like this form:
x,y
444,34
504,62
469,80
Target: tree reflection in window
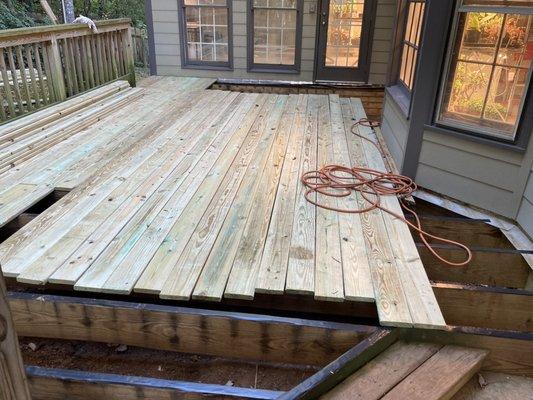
x,y
488,72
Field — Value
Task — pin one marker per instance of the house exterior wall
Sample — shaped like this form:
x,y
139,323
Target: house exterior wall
x,y
167,43
480,174
394,128
525,212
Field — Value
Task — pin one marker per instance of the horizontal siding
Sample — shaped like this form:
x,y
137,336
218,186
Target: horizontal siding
x,y
167,45
525,216
467,190
483,175
382,41
394,129
525,213
470,165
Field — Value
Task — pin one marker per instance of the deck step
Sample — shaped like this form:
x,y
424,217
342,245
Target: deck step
x,y
412,371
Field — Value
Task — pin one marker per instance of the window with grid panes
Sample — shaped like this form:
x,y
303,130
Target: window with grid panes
x,y
488,68
411,42
274,33
206,27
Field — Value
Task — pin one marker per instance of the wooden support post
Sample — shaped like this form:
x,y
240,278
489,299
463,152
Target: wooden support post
x,y
56,70
128,55
13,384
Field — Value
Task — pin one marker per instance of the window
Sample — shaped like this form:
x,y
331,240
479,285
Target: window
x,y
345,22
206,33
489,67
274,35
411,42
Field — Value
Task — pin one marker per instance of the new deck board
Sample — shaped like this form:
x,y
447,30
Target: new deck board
x,y
192,193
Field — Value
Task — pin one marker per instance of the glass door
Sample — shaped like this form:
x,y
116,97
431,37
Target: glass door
x,y
344,36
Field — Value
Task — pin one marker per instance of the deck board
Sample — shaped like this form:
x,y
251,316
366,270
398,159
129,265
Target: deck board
x,y
193,193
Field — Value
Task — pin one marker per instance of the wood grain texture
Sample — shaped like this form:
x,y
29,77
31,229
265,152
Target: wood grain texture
x,y
440,377
381,374
486,307
12,375
59,384
189,193
188,330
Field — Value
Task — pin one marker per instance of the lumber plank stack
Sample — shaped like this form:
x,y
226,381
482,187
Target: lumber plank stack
x,y
424,371
30,135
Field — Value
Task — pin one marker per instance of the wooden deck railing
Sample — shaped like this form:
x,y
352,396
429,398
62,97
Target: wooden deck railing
x,y
140,47
44,65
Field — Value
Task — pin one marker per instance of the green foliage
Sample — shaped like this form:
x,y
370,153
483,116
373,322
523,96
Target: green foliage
x,y
106,9
17,14
493,111
24,13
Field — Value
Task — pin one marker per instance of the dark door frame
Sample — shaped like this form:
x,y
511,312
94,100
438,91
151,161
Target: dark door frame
x,y
344,74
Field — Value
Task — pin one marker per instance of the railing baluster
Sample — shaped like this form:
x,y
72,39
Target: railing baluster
x,y
88,61
40,76
7,86
77,63
103,60
96,63
14,79
39,66
107,49
24,80
33,77
72,57
66,63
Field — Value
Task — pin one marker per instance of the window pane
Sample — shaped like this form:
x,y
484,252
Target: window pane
x,y
516,48
488,72
274,36
345,21
221,16
411,41
205,26
481,35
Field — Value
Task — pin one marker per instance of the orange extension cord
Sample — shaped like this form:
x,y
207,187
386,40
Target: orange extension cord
x,y
340,181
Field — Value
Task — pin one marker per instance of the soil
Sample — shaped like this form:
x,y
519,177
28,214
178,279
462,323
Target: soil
x,y
136,361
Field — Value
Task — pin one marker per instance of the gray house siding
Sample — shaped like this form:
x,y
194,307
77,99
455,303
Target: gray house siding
x,y
525,213
483,175
394,128
167,43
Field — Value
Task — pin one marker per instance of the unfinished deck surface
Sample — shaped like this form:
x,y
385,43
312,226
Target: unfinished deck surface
x,y
192,193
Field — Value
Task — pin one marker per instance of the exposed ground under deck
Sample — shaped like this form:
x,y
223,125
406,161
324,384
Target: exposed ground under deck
x,y
195,194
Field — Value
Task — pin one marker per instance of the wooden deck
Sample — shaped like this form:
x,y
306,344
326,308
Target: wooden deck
x,y
195,194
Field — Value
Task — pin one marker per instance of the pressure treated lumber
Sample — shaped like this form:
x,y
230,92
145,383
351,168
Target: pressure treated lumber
x,y
441,376
498,308
338,370
194,194
509,352
189,330
42,117
60,384
384,372
13,384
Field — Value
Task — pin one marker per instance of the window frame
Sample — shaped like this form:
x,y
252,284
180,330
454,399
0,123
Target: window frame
x,y
186,62
274,68
404,42
397,88
471,130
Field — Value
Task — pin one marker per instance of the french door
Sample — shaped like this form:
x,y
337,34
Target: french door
x,y
344,37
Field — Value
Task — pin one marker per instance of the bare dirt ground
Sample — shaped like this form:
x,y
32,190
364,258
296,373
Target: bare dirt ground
x,y
100,357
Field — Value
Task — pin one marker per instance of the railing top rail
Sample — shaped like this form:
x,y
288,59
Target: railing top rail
x,y
13,37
